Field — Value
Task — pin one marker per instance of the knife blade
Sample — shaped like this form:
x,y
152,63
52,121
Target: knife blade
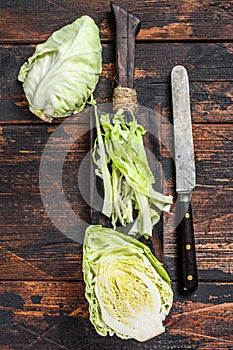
x,y
185,178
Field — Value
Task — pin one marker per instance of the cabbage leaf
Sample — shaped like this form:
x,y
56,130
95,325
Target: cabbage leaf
x,y
61,75
128,289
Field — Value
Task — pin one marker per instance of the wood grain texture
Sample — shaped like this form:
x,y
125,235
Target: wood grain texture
x,y
34,21
42,302
54,315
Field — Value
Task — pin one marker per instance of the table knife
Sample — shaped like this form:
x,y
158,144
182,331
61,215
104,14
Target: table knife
x,y
185,178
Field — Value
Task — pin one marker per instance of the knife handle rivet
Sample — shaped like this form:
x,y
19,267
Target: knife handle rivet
x,y
189,277
187,216
188,246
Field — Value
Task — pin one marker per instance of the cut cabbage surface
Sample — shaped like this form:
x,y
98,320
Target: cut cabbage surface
x,y
128,289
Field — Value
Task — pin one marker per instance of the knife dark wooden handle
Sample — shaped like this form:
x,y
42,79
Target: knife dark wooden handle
x,y
186,249
127,26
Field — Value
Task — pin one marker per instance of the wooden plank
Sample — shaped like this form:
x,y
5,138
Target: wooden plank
x,y
204,61
34,21
30,239
44,314
25,226
211,102
209,67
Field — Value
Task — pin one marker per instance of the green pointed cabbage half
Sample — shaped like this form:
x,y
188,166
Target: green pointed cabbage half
x,y
128,290
61,75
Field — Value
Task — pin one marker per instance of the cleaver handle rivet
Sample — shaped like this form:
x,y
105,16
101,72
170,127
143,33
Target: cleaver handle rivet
x,y
189,277
187,215
188,246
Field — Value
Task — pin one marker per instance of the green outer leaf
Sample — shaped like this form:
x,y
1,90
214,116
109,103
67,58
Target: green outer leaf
x,y
61,75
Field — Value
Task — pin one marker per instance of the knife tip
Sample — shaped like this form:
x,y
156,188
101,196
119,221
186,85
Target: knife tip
x,y
179,71
178,67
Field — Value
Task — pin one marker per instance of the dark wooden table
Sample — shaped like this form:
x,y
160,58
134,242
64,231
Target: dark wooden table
x,y
42,303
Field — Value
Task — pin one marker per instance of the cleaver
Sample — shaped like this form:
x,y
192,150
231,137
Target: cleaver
x,y
185,178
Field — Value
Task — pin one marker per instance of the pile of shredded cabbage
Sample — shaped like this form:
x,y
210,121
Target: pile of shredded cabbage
x,y
122,164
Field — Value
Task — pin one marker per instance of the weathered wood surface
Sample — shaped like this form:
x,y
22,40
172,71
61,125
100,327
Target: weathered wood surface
x,y
42,304
54,315
166,20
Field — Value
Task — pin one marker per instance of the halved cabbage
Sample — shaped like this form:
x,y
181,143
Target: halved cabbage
x,y
128,290
62,74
